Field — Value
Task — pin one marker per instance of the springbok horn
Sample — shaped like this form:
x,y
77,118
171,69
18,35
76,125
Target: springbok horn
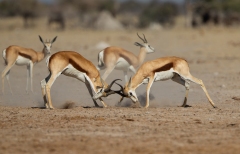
x,y
119,91
130,82
116,91
109,87
145,38
141,38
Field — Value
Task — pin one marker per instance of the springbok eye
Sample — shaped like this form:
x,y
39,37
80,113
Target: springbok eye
x,y
130,94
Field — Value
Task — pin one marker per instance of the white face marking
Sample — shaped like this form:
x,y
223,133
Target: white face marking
x,y
132,95
47,47
149,48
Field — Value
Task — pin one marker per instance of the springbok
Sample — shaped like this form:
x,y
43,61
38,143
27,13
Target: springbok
x,y
121,59
161,69
24,56
73,64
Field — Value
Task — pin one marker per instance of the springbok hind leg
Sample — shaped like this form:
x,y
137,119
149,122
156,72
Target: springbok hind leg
x,y
6,73
43,84
48,88
200,82
177,78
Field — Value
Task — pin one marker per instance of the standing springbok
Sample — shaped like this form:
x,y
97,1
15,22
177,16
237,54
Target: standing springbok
x,y
121,59
73,64
162,69
24,56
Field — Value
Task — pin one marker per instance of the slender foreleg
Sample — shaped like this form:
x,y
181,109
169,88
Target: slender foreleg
x,y
151,80
43,84
31,76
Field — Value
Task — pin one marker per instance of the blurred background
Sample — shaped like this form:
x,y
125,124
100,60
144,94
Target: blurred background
x,y
118,14
204,32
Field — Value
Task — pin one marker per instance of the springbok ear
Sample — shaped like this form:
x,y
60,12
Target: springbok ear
x,y
138,44
41,39
130,82
54,39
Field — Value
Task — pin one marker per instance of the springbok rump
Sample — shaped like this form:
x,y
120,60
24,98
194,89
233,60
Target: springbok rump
x,y
120,59
161,69
24,56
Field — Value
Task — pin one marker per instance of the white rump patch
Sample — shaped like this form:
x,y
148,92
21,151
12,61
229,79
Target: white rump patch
x,y
4,54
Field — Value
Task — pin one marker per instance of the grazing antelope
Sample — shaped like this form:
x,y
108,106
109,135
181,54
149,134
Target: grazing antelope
x,y
121,59
73,64
24,56
162,69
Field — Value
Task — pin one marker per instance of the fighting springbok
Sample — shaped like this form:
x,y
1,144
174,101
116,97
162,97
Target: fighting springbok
x,y
24,56
73,64
121,59
162,69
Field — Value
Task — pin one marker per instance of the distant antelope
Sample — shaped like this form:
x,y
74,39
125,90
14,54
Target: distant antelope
x,y
24,56
121,59
162,69
73,64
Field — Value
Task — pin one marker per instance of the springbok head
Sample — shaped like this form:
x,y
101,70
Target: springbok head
x,y
104,92
129,92
47,44
145,44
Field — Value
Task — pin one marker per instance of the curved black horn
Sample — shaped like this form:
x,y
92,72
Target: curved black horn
x,y
120,87
145,38
141,38
119,91
109,87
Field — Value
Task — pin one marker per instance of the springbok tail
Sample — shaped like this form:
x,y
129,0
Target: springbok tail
x,y
4,56
100,61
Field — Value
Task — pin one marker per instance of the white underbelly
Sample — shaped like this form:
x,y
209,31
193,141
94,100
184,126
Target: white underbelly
x,y
72,72
22,61
122,64
163,75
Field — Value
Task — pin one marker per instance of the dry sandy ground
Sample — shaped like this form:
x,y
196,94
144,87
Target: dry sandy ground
x,y
213,55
